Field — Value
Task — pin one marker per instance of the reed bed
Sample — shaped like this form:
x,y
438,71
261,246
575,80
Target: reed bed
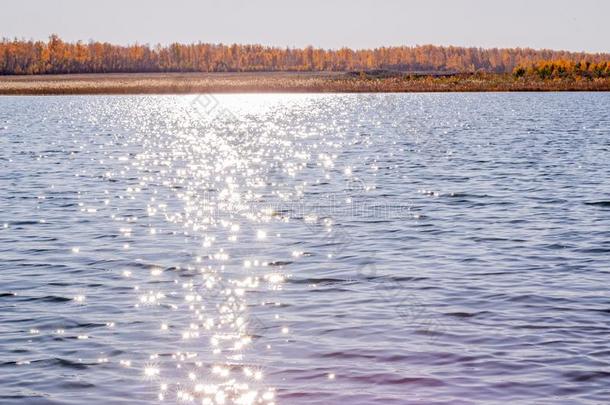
x,y
181,83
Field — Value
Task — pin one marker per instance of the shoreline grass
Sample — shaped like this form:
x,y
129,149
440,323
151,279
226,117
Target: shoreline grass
x,y
288,82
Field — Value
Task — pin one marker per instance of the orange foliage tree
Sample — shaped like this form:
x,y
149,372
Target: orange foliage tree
x,y
561,69
57,56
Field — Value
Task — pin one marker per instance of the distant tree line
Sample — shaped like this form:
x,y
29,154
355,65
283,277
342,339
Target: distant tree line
x,y
57,56
561,69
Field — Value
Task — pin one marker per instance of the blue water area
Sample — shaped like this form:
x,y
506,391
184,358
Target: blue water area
x,y
305,249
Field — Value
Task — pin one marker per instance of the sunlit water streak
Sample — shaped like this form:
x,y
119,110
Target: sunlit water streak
x,y
445,248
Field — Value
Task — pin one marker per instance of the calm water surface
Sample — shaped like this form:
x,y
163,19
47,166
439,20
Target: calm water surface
x,y
305,249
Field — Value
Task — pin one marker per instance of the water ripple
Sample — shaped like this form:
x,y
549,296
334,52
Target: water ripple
x,y
305,249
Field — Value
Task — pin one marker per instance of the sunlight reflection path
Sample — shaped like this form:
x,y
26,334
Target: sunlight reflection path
x,y
220,180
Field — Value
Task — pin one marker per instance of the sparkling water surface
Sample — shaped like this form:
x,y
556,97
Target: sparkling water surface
x,y
305,249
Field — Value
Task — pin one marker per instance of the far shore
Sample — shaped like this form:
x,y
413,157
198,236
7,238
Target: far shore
x,y
282,82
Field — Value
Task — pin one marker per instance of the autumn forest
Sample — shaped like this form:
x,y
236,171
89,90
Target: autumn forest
x,y
21,57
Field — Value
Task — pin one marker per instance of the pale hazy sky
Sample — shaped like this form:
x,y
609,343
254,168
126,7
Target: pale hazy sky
x,y
558,24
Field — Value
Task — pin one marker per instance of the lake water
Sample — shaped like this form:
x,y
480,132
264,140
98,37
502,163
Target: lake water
x,y
305,249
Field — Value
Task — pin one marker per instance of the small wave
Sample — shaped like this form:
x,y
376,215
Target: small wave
x,y
595,250
461,314
581,376
48,298
279,263
18,223
599,203
68,363
390,379
319,281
